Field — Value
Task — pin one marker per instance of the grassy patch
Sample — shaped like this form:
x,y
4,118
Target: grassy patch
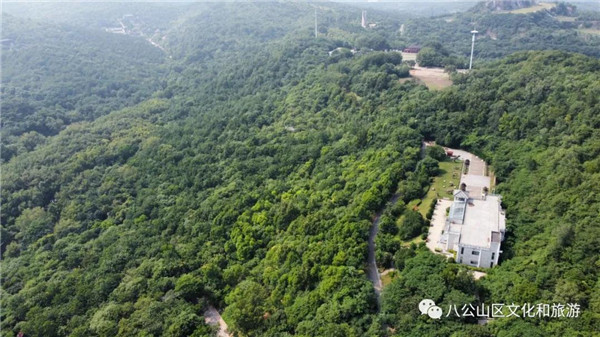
x,y
388,278
562,18
591,31
416,241
532,9
443,185
409,56
414,204
433,78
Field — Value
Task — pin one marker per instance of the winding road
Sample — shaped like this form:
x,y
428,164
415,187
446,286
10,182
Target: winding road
x,y
372,271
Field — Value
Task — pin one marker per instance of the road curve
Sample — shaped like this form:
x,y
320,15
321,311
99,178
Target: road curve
x,y
372,271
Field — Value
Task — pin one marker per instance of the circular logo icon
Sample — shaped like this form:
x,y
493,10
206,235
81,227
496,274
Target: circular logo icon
x,y
424,305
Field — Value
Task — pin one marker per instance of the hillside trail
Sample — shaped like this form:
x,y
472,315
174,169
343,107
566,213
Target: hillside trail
x,y
372,271
212,317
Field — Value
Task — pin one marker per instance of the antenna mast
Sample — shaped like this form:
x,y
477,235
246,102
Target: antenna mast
x,y
474,32
316,31
363,20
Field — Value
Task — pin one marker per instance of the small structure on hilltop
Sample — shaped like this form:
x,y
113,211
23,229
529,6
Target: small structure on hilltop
x,y
412,49
364,23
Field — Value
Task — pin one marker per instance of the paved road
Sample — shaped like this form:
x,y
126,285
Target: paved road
x,y
477,167
372,271
438,222
476,178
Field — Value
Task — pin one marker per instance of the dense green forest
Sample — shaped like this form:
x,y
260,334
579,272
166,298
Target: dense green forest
x,y
57,75
241,165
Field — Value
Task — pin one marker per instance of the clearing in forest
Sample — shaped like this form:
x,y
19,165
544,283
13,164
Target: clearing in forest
x,y
532,9
591,31
433,78
409,56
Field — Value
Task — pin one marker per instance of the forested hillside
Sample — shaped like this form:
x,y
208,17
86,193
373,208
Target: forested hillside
x,y
534,116
244,173
55,75
501,34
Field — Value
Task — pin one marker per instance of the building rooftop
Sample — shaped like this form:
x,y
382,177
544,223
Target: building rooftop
x,y
475,184
457,212
484,222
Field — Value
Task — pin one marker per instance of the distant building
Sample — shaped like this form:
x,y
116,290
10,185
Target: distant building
x,y
412,49
475,228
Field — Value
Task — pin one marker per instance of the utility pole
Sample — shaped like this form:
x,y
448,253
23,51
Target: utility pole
x,y
363,20
316,31
474,32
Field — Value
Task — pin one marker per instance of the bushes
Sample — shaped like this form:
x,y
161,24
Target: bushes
x,y
431,209
436,152
412,225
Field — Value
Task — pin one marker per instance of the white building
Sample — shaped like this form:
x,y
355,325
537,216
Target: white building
x,y
475,228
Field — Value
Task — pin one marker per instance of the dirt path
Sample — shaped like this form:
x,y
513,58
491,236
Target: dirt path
x,y
372,271
387,271
212,317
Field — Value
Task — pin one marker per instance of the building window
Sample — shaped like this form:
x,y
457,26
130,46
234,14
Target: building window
x,y
491,264
493,255
474,262
462,250
475,252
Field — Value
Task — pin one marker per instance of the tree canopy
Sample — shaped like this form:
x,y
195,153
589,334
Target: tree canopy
x,y
242,167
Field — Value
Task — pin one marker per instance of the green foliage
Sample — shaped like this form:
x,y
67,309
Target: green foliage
x,y
372,41
499,35
32,224
436,152
188,287
429,57
431,209
250,180
425,275
429,167
247,307
412,225
56,75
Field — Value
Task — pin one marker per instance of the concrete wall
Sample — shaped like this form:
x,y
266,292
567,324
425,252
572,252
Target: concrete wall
x,y
483,259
